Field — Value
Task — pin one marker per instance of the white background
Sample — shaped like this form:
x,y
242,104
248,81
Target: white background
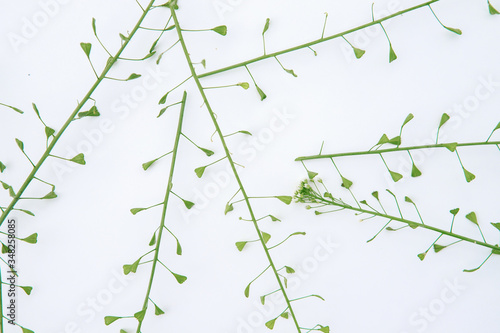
x,y
88,233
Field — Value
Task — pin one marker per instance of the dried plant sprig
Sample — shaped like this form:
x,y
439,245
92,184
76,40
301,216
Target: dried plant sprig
x,y
156,240
241,189
451,146
396,141
317,41
76,113
53,137
307,193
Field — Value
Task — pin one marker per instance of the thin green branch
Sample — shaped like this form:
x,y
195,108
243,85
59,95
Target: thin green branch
x,y
231,163
140,5
72,116
413,224
324,26
321,40
381,151
164,211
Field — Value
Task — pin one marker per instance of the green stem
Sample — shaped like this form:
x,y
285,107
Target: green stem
x,y
226,86
164,212
437,17
412,223
324,26
93,69
231,163
376,152
73,115
321,40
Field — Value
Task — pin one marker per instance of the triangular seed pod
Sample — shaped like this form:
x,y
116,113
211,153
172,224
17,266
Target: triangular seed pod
x,y
221,30
140,315
284,198
108,320
392,54
158,311
492,9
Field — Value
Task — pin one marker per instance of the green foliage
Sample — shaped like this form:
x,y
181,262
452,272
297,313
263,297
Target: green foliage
x,y
221,30
158,311
457,31
469,176
492,9
50,195
284,198
200,171
31,239
20,144
133,76
346,182
229,208
240,245
153,240
80,159
127,269
27,289
358,52
180,278
86,47
472,217
266,26
392,54
395,176
311,174
415,172
270,323
444,118
262,95
13,108
306,194
188,204
146,165
108,320
266,237
92,112
140,315
244,85
137,210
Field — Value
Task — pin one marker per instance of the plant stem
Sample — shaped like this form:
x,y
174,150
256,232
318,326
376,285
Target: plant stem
x,y
165,203
380,151
232,164
411,223
73,115
317,41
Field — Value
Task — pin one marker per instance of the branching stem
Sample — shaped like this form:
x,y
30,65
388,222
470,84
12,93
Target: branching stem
x,y
232,164
317,41
72,116
381,151
164,211
410,223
